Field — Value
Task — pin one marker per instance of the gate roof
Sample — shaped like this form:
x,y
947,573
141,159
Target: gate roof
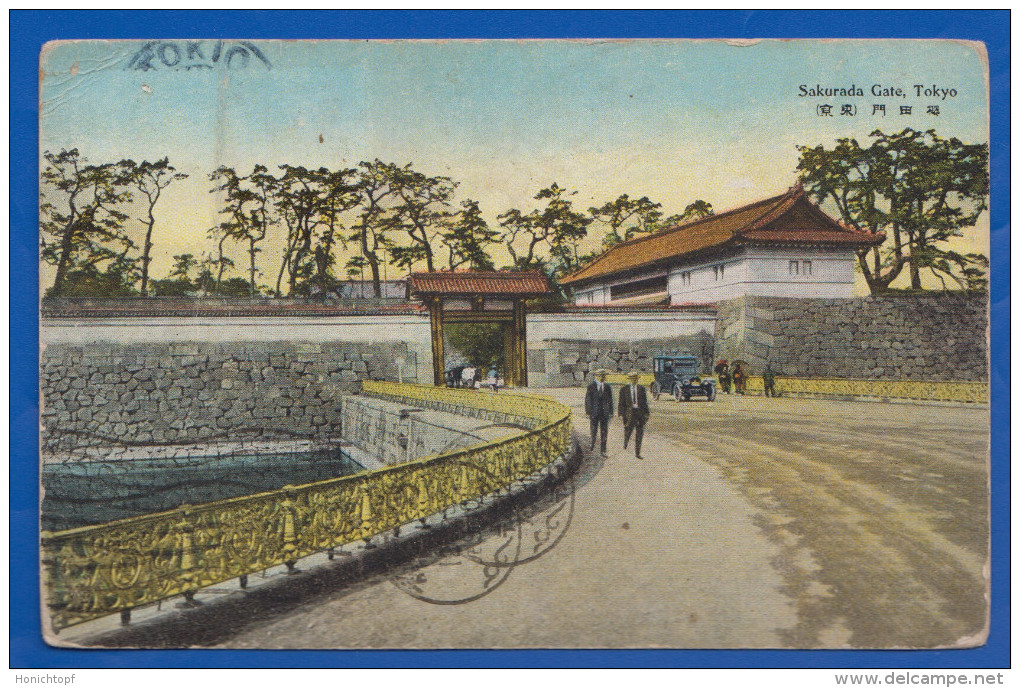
x,y
528,284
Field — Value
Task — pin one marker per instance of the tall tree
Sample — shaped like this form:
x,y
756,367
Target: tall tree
x,y
627,214
299,198
375,190
917,187
422,208
82,218
340,196
150,178
467,237
248,207
555,227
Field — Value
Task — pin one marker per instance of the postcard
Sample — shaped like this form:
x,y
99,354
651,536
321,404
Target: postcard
x,y
514,344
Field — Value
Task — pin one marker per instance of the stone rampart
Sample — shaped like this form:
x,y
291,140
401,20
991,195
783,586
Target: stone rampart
x,y
183,392
936,337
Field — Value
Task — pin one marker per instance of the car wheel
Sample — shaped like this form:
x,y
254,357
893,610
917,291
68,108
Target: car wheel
x,y
677,393
711,393
656,391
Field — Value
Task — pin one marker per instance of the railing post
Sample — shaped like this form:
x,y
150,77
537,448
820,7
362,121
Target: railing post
x,y
188,560
290,529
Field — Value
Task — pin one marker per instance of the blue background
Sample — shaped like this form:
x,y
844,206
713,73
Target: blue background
x,y
30,29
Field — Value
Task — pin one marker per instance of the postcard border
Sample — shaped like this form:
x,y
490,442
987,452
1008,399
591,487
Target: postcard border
x,y
31,29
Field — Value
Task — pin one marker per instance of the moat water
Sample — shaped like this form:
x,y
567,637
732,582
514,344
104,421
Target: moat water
x,y
81,493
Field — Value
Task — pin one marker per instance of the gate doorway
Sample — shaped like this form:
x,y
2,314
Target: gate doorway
x,y
480,297
479,347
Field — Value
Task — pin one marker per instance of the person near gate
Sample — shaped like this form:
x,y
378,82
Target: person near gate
x,y
768,377
598,404
634,410
722,369
739,379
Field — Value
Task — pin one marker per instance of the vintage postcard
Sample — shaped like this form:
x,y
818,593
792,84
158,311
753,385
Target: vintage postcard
x,y
514,344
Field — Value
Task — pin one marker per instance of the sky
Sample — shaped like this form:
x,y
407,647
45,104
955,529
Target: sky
x,y
673,120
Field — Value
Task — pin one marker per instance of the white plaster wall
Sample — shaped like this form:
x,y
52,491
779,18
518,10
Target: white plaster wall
x,y
413,329
627,326
762,272
755,271
703,286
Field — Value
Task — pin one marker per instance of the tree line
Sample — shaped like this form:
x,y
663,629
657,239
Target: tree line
x,y
919,189
304,231
376,214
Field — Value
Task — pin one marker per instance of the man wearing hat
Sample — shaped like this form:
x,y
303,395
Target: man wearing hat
x,y
598,404
634,410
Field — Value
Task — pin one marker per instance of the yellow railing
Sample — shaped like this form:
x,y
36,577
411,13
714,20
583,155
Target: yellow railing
x,y
621,378
98,570
973,392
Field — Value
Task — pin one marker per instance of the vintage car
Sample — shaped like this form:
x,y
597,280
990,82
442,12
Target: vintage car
x,y
677,374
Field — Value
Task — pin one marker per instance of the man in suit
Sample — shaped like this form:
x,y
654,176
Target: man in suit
x,y
634,410
598,404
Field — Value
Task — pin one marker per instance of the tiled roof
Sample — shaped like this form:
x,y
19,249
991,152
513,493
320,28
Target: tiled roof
x,y
788,218
202,308
479,283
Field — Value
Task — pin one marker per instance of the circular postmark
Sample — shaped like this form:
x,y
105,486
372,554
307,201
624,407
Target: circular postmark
x,y
476,566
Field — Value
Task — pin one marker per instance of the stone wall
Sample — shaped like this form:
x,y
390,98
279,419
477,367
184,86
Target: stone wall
x,y
395,433
182,392
570,362
937,337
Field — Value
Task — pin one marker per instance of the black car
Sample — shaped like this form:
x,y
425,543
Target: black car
x,y
677,374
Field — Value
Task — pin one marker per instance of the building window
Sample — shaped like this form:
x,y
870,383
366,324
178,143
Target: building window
x,y
639,288
685,278
800,267
719,272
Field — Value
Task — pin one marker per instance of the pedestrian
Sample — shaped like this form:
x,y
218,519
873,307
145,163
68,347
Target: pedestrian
x,y
768,377
739,379
634,410
493,379
598,404
722,370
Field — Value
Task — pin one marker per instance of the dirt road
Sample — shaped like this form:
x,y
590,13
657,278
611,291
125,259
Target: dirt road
x,y
881,510
750,523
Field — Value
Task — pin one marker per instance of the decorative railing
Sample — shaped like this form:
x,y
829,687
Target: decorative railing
x,y
973,392
97,570
645,379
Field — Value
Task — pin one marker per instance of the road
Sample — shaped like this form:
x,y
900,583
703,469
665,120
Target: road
x,y
749,523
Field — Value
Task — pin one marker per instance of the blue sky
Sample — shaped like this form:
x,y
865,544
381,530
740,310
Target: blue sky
x,y
674,120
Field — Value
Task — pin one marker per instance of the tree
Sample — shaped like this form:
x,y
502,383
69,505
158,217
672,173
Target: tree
x,y
421,212
178,280
82,221
150,178
556,227
467,236
918,188
633,216
299,199
481,344
697,210
340,196
184,263
374,187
